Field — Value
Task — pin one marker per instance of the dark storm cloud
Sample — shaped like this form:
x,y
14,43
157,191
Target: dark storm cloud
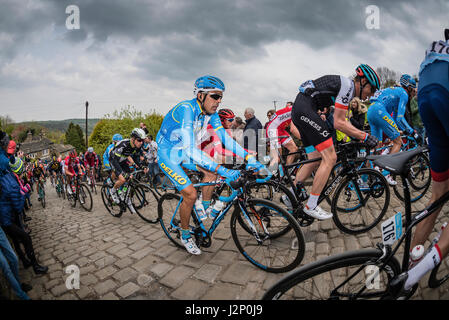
x,y
190,34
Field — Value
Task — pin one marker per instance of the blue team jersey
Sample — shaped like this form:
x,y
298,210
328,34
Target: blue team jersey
x,y
106,155
438,50
185,128
394,100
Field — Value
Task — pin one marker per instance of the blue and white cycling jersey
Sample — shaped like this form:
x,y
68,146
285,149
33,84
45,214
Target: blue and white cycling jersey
x,y
181,132
106,156
433,102
392,101
438,50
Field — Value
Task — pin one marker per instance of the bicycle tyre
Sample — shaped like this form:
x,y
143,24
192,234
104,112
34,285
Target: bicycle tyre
x,y
164,185
263,254
84,193
169,218
109,203
43,198
289,287
148,211
435,279
344,214
275,188
417,191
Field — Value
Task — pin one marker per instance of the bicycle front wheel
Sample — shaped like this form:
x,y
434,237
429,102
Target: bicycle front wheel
x,y
170,219
148,210
272,254
114,209
85,197
419,179
360,201
353,275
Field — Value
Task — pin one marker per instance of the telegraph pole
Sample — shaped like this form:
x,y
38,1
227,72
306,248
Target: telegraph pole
x,y
274,103
87,105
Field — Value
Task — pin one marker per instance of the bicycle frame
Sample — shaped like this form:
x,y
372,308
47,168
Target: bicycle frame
x,y
235,197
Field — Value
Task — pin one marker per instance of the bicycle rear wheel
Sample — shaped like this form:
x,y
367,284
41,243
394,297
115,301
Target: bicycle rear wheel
x,y
85,197
272,254
360,201
274,192
338,277
163,184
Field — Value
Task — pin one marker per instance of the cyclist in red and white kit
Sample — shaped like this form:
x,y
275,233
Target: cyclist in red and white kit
x,y
72,167
277,126
91,160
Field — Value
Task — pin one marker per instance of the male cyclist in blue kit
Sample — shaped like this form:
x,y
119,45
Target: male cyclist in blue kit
x,y
182,130
433,101
386,114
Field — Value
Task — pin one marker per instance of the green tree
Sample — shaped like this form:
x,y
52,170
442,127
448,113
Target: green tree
x,y
122,121
74,136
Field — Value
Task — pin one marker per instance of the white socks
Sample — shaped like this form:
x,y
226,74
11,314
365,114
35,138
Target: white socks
x,y
430,261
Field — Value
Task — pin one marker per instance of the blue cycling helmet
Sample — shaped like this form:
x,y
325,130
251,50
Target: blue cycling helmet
x,y
117,137
407,81
208,83
365,70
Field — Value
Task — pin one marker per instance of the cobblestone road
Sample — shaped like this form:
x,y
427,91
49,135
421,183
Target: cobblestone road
x,y
126,258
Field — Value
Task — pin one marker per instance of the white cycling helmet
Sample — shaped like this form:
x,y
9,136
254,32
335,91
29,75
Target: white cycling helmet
x,y
138,133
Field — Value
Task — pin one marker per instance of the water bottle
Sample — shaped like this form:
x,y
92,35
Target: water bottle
x,y
302,191
200,208
216,209
416,255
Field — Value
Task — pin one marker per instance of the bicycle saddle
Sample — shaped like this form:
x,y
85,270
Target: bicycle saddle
x,y
395,163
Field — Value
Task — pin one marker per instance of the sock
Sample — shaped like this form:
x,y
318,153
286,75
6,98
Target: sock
x,y
312,202
185,234
206,204
429,262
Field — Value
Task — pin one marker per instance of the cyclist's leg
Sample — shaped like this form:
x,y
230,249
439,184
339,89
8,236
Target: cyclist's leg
x,y
291,147
433,99
314,131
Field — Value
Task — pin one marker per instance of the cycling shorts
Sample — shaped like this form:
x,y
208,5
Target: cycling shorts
x,y
314,131
172,169
433,102
381,121
120,167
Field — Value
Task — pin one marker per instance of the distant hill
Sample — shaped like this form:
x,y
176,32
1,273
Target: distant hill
x,y
62,125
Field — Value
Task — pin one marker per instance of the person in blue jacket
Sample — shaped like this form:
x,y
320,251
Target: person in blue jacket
x,y
11,205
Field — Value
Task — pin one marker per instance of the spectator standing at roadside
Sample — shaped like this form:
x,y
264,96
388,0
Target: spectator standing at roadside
x,y
237,130
251,131
11,205
357,113
151,155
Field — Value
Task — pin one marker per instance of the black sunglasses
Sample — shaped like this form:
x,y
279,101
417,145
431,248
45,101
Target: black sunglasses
x,y
216,96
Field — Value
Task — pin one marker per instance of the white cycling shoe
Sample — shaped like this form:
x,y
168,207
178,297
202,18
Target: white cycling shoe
x,y
318,213
390,180
191,246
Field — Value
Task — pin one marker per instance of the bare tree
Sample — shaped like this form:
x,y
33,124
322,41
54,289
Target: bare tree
x,y
387,76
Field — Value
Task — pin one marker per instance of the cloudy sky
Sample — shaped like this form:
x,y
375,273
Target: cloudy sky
x,y
148,53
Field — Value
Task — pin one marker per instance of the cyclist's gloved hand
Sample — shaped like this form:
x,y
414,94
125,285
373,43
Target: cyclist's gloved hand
x,y
228,173
254,164
371,141
417,136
